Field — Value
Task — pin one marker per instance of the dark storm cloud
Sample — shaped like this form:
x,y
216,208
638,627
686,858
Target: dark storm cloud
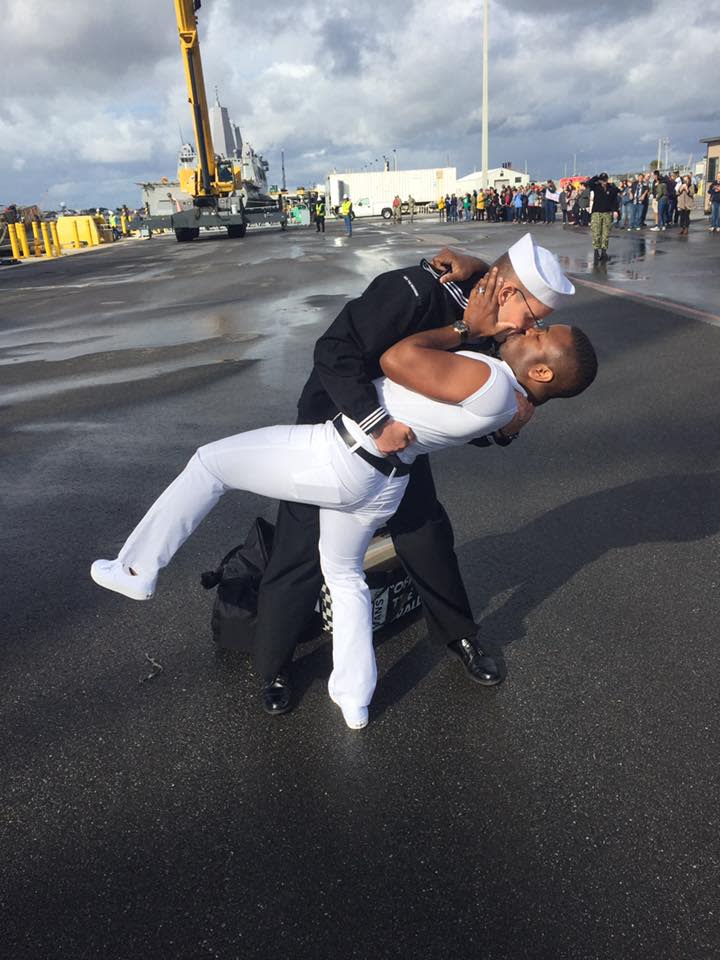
x,y
343,43
89,50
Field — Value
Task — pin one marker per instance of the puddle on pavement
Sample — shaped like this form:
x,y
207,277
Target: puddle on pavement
x,y
623,264
321,300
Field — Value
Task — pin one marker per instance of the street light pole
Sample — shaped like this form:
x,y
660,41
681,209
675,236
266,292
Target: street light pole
x,y
485,99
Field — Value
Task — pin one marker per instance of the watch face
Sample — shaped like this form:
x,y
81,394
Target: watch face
x,y
462,328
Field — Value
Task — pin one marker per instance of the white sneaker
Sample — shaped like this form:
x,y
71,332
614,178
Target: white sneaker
x,y
113,575
355,717
654,228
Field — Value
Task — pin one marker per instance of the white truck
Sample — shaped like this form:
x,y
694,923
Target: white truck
x,y
372,192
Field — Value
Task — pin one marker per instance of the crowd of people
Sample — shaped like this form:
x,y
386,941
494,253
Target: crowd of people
x,y
534,203
667,199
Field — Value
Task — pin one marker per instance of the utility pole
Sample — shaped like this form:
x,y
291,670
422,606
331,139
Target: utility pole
x,y
485,99
574,164
282,162
659,158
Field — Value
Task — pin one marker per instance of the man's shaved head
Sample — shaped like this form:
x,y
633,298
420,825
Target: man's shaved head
x,y
506,270
575,368
556,362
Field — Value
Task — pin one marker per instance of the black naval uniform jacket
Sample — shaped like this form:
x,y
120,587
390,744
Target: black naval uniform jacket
x,y
347,357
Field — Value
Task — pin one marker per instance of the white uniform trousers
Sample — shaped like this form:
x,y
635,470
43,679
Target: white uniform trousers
x,y
306,464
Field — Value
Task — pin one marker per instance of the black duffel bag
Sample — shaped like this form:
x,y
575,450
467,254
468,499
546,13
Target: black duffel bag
x,y
239,573
237,579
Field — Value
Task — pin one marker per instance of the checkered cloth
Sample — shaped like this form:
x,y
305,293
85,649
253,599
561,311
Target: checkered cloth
x,y
392,594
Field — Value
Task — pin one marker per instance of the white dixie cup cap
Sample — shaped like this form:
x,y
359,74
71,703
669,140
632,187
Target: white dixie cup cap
x,y
540,272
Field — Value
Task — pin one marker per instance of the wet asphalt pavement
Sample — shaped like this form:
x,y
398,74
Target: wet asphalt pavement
x,y
570,814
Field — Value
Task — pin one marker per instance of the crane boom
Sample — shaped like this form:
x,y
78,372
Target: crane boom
x,y
190,46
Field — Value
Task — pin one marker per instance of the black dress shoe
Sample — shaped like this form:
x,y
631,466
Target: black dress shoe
x,y
478,666
276,696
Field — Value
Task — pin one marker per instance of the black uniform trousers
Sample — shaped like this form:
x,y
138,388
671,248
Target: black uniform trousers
x,y
424,541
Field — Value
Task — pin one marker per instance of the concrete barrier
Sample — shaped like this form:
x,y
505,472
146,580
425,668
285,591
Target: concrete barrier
x,y
78,231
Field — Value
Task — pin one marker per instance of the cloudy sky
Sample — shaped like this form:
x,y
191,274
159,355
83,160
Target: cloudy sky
x,y
94,93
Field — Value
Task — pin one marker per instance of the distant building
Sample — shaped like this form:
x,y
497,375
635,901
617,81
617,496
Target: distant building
x,y
499,177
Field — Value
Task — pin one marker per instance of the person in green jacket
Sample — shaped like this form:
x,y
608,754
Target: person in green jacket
x,y
347,214
320,214
659,191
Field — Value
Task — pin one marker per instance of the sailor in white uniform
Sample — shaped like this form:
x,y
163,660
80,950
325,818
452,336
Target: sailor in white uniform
x,y
445,398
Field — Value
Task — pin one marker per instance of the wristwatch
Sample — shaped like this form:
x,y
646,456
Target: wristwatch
x,y
461,328
503,439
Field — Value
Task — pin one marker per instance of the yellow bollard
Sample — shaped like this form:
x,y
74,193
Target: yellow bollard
x,y
55,238
76,234
36,237
46,239
13,240
22,237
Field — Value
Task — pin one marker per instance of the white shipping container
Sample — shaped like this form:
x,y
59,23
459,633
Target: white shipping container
x,y
372,192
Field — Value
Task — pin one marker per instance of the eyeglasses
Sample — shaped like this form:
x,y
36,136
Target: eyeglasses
x,y
540,324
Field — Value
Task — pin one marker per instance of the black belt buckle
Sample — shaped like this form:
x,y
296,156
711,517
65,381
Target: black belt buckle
x,y
389,466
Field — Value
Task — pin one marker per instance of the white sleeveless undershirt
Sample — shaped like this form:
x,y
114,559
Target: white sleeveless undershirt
x,y
437,425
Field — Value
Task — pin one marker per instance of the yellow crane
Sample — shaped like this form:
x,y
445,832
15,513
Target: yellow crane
x,y
220,198
210,179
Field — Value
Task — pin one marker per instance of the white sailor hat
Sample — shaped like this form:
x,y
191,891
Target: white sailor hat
x,y
539,272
